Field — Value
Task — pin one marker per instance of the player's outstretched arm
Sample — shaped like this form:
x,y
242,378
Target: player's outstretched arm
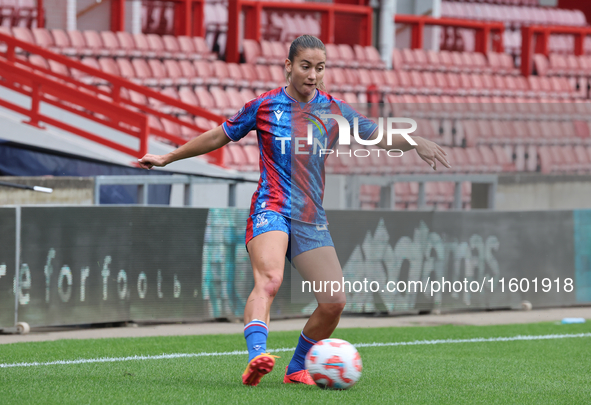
x,y
429,151
200,145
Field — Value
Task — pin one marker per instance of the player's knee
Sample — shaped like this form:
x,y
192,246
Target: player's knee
x,y
332,309
271,284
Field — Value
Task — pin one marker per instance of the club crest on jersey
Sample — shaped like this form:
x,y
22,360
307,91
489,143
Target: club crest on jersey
x,y
278,114
261,220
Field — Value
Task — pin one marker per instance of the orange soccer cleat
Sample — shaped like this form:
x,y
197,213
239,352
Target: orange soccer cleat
x,y
299,377
257,368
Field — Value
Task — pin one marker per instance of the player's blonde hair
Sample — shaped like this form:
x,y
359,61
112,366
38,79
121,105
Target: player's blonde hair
x,y
305,42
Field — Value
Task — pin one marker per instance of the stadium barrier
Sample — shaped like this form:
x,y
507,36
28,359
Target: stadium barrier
x,y
188,17
488,34
83,265
329,13
189,182
536,39
43,87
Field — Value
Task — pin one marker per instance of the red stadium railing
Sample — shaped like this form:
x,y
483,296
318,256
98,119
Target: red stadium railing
x,y
253,12
541,36
15,13
109,108
484,30
41,88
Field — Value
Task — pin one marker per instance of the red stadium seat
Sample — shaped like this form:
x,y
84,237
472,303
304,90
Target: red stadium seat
x,y
264,76
221,71
582,158
141,43
333,56
265,55
582,129
171,128
247,95
94,42
186,132
24,34
361,57
252,51
62,41
78,42
202,48
235,99
503,158
236,157
38,60
84,77
44,39
165,107
111,43
347,54
187,47
279,52
108,65
159,73
204,70
126,69
249,73
374,58
172,46
222,101
175,73
187,95
156,45
188,70
127,43
206,100
277,75
488,158
236,74
143,72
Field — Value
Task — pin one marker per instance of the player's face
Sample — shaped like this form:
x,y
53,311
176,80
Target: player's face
x,y
307,71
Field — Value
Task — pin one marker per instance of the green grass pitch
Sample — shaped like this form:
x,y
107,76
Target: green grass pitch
x,y
552,371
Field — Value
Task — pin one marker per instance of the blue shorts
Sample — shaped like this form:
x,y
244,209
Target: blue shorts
x,y
302,236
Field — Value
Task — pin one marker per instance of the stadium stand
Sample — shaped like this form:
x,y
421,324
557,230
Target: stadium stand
x,y
514,15
490,117
18,13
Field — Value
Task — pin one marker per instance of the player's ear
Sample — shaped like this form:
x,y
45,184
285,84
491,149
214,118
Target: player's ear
x,y
287,65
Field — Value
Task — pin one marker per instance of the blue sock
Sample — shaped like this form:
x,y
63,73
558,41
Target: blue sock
x,y
256,333
298,361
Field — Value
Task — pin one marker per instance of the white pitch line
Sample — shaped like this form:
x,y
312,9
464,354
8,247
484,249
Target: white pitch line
x,y
288,349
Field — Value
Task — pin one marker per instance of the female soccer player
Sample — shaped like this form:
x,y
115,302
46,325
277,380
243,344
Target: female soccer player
x,y
286,214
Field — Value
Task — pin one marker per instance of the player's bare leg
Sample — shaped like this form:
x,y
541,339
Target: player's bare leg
x,y
267,256
317,265
320,265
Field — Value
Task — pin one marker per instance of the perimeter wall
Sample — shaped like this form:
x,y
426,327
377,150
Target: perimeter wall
x,y
82,265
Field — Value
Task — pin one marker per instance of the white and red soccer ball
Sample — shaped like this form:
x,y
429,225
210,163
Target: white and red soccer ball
x,y
334,364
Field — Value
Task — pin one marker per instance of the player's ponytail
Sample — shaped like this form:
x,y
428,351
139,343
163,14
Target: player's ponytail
x,y
305,42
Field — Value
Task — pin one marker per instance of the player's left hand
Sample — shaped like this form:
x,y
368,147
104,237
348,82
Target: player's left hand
x,y
430,152
149,161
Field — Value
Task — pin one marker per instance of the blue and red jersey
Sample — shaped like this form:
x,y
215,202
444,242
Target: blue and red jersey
x,y
292,168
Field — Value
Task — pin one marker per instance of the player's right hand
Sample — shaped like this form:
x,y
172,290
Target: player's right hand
x,y
149,161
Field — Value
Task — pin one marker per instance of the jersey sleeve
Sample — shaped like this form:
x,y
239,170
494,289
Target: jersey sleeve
x,y
244,121
365,125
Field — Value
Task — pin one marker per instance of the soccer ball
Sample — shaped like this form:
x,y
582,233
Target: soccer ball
x,y
334,364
